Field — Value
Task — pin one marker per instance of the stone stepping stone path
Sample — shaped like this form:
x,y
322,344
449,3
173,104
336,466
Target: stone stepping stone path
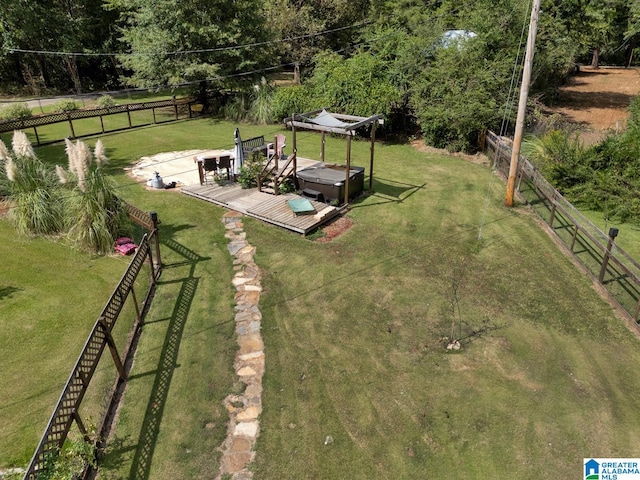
x,y
244,409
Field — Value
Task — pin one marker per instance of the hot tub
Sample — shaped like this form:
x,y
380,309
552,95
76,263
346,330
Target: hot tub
x,y
329,180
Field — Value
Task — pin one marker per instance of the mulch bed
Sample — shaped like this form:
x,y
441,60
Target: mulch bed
x,y
335,229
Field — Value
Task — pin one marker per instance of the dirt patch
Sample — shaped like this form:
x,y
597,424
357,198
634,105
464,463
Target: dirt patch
x,y
597,100
335,229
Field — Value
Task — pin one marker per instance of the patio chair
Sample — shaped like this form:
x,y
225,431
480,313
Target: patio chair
x,y
210,167
281,142
224,163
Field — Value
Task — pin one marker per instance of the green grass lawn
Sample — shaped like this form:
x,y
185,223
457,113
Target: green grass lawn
x,y
354,333
50,297
353,341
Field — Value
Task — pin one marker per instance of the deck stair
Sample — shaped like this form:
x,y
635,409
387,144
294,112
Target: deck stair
x,y
276,172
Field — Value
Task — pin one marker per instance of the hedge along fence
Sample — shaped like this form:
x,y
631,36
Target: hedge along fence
x,y
594,249
83,123
68,410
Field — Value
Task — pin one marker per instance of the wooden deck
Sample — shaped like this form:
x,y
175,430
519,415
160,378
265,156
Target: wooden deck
x,y
269,208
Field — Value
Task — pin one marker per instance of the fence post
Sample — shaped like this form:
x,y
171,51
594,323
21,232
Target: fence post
x,y
157,263
175,107
129,116
553,213
73,133
80,423
613,233
112,347
573,240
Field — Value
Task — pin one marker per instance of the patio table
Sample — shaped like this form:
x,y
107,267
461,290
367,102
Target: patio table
x,y
211,154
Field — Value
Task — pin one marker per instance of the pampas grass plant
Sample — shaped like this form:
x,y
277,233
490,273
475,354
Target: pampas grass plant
x,y
4,180
99,154
79,201
37,206
4,152
261,108
21,145
94,215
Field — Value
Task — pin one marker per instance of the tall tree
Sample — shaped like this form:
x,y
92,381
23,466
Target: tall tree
x,y
596,27
175,41
78,26
306,28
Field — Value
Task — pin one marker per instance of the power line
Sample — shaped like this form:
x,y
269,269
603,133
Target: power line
x,y
193,82
184,52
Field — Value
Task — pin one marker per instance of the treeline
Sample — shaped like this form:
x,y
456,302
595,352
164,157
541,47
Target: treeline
x,y
358,57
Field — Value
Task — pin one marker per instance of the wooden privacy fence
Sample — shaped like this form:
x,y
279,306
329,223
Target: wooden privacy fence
x,y
66,411
180,109
594,249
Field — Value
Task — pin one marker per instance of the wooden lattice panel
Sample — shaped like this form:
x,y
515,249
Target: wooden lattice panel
x,y
41,120
76,387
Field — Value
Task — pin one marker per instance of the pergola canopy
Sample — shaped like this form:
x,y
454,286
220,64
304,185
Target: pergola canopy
x,y
328,122
325,121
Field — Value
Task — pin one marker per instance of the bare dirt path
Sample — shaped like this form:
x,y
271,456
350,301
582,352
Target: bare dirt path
x,y
597,100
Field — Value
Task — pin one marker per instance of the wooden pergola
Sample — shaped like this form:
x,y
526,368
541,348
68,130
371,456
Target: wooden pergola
x,y
327,122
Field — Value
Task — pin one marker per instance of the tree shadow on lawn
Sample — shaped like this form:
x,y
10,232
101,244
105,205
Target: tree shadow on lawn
x,y
167,362
6,292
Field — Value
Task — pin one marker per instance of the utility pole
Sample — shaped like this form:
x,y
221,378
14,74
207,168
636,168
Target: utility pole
x,y
522,105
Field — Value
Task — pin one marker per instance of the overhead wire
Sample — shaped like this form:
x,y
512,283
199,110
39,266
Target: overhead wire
x,y
184,52
192,82
509,103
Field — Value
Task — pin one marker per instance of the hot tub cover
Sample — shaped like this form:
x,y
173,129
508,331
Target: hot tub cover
x,y
326,175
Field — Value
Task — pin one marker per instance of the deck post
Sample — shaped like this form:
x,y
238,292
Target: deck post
x,y
373,141
346,180
293,132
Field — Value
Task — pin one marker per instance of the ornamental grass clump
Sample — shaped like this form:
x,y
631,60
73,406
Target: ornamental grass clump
x,y
4,181
94,215
32,189
78,201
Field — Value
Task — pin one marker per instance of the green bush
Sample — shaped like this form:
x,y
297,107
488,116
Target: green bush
x,y
560,156
236,109
251,168
359,85
15,111
604,177
66,105
289,100
456,97
70,461
105,101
